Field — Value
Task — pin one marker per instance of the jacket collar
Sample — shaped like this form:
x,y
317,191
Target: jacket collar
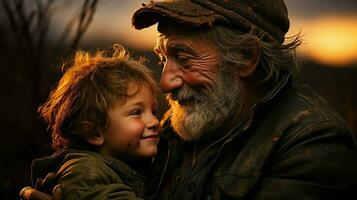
x,y
284,80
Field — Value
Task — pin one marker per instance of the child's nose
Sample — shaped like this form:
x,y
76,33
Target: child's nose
x,y
153,123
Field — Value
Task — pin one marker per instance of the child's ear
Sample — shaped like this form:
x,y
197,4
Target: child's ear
x,y
97,140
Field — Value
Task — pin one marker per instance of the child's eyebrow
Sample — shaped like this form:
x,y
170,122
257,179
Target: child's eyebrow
x,y
142,103
137,103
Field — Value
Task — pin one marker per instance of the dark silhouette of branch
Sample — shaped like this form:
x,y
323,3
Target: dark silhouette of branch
x,y
43,16
83,20
29,29
86,17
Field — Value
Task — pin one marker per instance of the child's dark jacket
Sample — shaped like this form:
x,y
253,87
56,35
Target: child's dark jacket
x,y
89,175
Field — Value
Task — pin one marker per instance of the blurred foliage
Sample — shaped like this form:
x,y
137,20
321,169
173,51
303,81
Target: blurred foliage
x,y
28,52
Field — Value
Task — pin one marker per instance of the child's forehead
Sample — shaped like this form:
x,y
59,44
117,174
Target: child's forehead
x,y
135,86
138,89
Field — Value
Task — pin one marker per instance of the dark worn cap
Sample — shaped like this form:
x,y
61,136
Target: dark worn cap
x,y
268,16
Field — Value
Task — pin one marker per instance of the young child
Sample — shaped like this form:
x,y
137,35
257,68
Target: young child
x,y
102,117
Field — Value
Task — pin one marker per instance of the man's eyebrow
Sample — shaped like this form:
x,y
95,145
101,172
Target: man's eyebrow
x,y
180,48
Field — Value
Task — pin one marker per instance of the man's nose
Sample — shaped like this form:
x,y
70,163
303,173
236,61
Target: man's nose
x,y
171,77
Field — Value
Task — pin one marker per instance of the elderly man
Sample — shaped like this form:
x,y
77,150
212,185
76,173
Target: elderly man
x,y
237,127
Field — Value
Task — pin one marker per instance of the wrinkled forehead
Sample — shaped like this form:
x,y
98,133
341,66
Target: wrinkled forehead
x,y
178,43
173,31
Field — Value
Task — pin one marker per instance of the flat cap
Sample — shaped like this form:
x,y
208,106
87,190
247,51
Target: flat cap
x,y
268,16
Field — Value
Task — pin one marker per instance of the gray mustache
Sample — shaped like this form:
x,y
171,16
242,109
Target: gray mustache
x,y
183,94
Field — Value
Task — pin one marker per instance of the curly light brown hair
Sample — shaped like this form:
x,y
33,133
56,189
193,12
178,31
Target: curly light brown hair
x,y
78,106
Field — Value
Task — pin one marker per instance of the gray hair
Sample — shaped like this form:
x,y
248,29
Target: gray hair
x,y
275,58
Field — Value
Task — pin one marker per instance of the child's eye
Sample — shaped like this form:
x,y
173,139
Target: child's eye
x,y
135,112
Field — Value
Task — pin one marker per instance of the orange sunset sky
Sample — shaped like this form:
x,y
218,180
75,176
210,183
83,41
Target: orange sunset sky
x,y
329,27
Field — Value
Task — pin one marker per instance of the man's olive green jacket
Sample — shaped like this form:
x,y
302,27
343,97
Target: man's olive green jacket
x,y
294,146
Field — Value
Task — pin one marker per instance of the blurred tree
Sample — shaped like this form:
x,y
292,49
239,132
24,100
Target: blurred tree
x,y
28,30
27,52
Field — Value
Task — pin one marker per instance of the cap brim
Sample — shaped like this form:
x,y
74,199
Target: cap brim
x,y
181,11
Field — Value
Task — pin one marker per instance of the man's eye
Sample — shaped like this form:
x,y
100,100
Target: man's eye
x,y
183,60
135,112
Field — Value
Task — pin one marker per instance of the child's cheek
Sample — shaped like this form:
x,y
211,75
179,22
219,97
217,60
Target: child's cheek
x,y
137,130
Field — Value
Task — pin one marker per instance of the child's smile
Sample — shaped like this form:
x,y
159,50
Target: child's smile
x,y
134,128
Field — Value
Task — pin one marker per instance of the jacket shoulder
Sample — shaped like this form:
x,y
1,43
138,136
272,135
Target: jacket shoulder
x,y
87,176
301,112
295,141
85,167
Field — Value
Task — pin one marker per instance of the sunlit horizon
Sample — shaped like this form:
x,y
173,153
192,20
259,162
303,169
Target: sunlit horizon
x,y
330,39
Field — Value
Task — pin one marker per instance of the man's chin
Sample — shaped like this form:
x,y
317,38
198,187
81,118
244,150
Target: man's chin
x,y
184,128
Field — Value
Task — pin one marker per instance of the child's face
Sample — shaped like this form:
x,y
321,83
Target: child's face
x,y
134,128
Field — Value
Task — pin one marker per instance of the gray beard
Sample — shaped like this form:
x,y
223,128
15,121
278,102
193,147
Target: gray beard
x,y
198,113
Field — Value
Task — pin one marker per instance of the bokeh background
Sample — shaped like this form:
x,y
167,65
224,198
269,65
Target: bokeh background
x,y
37,36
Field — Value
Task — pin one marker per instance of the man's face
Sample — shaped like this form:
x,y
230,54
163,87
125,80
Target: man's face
x,y
190,61
199,97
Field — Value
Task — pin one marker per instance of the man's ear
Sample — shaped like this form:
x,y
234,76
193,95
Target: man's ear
x,y
252,57
96,140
